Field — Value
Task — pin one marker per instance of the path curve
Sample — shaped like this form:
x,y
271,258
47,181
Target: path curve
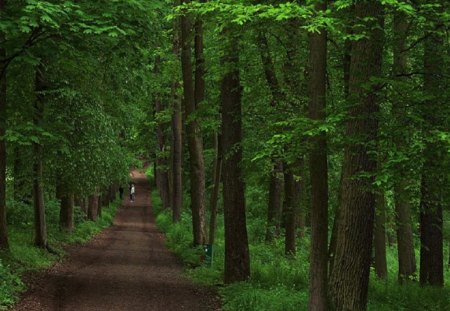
x,y
126,268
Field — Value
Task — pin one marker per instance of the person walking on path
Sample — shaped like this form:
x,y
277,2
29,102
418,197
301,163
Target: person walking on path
x,y
132,193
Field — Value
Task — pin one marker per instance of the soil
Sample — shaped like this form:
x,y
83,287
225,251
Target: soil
x,y
127,267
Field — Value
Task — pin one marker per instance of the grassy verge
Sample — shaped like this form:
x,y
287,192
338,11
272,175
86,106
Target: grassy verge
x,y
23,257
279,283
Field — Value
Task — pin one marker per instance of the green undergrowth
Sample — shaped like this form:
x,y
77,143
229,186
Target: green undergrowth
x,y
279,283
24,257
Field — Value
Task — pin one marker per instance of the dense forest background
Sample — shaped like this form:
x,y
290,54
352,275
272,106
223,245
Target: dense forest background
x,y
307,141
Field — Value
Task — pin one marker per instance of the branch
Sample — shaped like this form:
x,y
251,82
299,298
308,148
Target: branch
x,y
32,39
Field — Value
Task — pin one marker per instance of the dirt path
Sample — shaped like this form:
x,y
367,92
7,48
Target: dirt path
x,y
125,268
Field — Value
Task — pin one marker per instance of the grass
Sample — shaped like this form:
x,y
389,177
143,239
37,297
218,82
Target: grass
x,y
24,257
279,283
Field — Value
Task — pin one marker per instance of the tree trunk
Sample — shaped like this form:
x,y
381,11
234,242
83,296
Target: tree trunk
x,y
349,279
3,228
276,183
177,144
237,257
405,242
194,138
66,213
434,177
38,189
275,205
380,236
92,210
67,202
99,204
318,168
289,211
161,170
216,188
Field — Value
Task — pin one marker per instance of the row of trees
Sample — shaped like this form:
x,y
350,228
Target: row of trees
x,y
337,108
66,125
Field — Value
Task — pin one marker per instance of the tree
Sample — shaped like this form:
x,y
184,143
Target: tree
x,y
3,226
318,167
38,187
356,219
237,258
193,95
405,241
434,179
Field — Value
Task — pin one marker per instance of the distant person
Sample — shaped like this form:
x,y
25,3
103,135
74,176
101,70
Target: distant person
x,y
121,192
132,192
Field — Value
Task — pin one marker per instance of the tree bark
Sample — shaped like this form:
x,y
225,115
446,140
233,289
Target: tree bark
x,y
380,236
216,189
318,168
92,211
162,166
177,144
405,242
38,188
67,202
433,185
349,279
275,206
237,257
194,138
3,226
289,210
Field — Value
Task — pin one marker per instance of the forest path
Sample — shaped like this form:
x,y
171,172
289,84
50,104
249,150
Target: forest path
x,y
127,267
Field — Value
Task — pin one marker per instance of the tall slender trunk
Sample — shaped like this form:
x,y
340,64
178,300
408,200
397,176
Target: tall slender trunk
x,y
216,188
237,257
162,167
276,183
405,242
289,210
318,167
346,60
67,202
38,188
3,228
349,279
275,206
380,236
177,143
92,209
434,177
194,138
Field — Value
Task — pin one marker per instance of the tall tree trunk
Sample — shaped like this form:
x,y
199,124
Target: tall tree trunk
x,y
434,177
162,166
289,210
276,183
92,210
177,143
380,236
3,229
318,168
346,61
38,188
216,188
237,257
275,206
405,242
67,202
194,138
349,279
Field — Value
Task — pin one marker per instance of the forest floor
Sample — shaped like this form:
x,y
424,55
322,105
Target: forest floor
x,y
127,267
